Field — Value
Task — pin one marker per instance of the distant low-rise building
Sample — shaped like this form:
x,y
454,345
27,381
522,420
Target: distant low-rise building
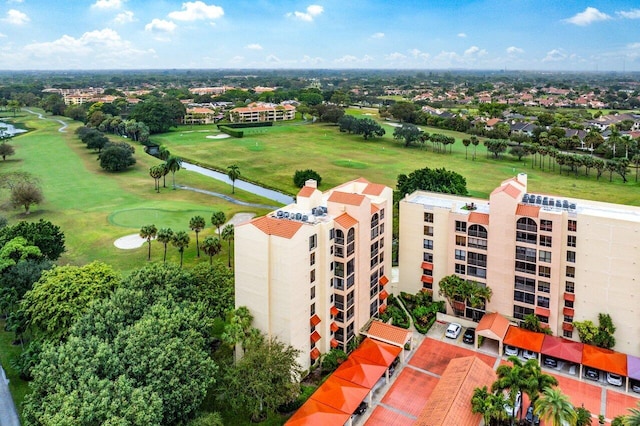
x,y
258,111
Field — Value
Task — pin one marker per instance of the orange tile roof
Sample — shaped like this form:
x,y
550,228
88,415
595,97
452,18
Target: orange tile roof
x,y
345,221
334,343
524,339
315,353
377,351
604,359
340,394
383,295
568,312
388,333
480,218
346,198
374,208
509,189
361,180
374,189
384,280
382,309
567,326
315,336
313,413
512,179
528,211
493,325
334,327
279,227
334,311
315,320
306,191
450,401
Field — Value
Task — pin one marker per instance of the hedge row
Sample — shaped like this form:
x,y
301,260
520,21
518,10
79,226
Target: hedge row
x,y
231,132
246,125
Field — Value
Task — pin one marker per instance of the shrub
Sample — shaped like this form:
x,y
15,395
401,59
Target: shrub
x,y
231,132
301,176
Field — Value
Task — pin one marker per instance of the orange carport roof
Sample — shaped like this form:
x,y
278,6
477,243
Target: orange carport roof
x,y
389,333
494,326
377,352
604,359
314,413
340,394
560,348
359,371
524,339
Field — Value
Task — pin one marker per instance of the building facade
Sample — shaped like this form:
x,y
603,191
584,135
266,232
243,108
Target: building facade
x,y
562,259
313,273
258,112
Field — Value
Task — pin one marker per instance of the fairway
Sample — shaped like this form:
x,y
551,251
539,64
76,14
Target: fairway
x,y
174,219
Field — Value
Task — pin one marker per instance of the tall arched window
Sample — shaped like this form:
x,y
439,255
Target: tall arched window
x,y
527,224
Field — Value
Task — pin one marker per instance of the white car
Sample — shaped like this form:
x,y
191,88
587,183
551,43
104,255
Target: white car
x,y
614,379
453,331
529,355
511,350
512,411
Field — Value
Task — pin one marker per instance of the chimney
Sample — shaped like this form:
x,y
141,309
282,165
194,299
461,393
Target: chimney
x,y
312,183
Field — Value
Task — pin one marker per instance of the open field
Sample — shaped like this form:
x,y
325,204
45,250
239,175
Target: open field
x,y
273,155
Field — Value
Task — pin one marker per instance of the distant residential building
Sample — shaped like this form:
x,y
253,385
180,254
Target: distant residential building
x,y
199,115
258,111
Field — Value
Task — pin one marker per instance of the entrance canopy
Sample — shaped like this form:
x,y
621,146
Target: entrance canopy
x,y
633,367
524,339
604,359
560,348
377,352
493,326
340,394
314,413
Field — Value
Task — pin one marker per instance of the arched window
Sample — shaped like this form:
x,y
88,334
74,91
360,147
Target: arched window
x,y
374,220
527,224
477,231
339,237
351,236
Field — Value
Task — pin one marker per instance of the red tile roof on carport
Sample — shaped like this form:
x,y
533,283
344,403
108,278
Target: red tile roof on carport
x,y
524,339
560,348
340,394
494,326
604,359
377,352
313,413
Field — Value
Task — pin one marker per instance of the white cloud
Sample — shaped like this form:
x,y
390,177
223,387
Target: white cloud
x,y
273,59
350,59
124,17
512,50
630,14
236,59
589,16
475,51
416,53
16,17
160,26
462,35
2,35
253,46
555,55
107,4
312,11
395,56
197,10
377,35
308,60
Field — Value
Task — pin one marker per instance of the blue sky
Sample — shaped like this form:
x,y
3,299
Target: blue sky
x,y
337,34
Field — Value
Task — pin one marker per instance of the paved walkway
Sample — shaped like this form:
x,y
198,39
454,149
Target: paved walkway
x,y
8,412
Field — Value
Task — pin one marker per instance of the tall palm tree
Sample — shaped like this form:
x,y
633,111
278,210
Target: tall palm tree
x,y
180,240
173,164
156,173
148,232
218,218
513,378
466,143
211,246
227,235
554,407
233,173
197,224
474,142
165,236
536,381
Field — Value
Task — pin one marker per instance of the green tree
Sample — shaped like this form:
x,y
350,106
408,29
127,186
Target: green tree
x,y
227,235
233,172
435,180
496,146
116,156
214,288
404,112
16,250
409,133
461,293
180,240
533,323
164,236
148,232
14,106
475,142
218,218
518,151
26,194
211,246
197,224
156,172
554,406
159,114
7,150
489,405
583,417
368,128
300,177
466,143
332,360
95,140
173,164
43,234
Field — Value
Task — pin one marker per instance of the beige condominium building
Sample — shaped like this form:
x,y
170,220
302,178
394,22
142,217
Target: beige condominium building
x,y
560,258
313,273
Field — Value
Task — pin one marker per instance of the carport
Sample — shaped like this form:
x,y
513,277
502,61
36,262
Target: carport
x,y
492,326
313,413
341,394
377,352
605,360
524,339
360,371
390,334
633,368
563,349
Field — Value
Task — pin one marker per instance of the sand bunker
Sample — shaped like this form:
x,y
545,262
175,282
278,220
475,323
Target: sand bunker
x,y
220,136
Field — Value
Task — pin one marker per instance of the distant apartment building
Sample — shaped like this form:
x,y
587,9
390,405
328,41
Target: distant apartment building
x,y
258,111
559,258
313,273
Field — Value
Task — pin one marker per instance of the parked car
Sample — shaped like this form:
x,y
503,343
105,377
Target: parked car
x,y
511,411
635,386
511,350
529,355
614,379
361,408
592,374
550,362
453,331
469,335
531,418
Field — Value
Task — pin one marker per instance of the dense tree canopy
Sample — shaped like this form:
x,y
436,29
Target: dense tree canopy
x,y
117,156
159,114
43,234
436,180
301,176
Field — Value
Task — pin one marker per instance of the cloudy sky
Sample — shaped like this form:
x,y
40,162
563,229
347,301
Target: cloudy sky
x,y
339,34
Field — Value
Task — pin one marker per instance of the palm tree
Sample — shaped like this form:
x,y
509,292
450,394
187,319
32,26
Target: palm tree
x,y
174,164
513,378
480,403
218,218
227,235
211,246
632,419
156,173
148,232
233,173
554,406
466,143
197,224
165,235
180,240
583,417
536,381
474,142
635,160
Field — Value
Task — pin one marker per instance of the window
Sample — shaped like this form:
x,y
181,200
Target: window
x,y
312,309
381,227
312,276
571,256
477,259
477,243
374,249
544,287
339,269
477,272
427,257
373,308
543,319
313,292
427,272
526,254
339,237
428,217
312,259
529,268
571,240
567,333
428,244
350,299
460,255
339,303
572,225
351,267
545,240
568,304
313,242
461,226
543,301
332,233
546,225
569,286
461,241
521,296
373,280
527,224
381,243
526,284
571,272
339,251
520,311
526,237
428,230
460,269
544,271
568,318
477,231
374,220
544,256
381,214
